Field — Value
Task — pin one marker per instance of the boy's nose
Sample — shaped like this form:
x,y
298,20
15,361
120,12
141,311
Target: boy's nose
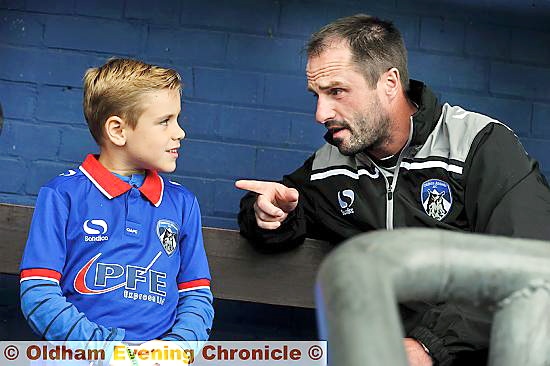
x,y
180,133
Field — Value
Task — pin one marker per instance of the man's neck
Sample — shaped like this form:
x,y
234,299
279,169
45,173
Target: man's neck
x,y
400,130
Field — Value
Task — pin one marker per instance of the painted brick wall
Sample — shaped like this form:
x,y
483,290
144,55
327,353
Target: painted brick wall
x,y
246,111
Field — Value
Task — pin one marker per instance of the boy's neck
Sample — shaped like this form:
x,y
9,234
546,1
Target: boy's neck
x,y
114,165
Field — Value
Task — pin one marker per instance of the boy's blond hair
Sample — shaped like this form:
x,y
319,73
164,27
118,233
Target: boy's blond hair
x,y
116,89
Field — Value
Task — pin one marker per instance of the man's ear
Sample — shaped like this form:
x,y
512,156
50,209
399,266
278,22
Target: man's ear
x,y
392,82
115,130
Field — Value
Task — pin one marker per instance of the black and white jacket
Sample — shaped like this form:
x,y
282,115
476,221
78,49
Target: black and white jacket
x,y
460,170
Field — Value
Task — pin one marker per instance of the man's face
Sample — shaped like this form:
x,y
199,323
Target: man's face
x,y
351,111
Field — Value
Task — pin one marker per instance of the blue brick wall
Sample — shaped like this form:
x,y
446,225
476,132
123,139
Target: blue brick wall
x,y
246,110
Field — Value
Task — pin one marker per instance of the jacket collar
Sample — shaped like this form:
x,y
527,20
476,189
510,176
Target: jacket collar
x,y
112,187
428,114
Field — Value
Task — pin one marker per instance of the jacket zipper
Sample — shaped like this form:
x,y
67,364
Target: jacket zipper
x,y
390,188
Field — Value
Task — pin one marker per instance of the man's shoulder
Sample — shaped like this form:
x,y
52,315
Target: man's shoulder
x,y
328,156
455,133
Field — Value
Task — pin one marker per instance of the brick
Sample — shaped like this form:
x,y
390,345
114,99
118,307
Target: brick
x,y
530,46
49,67
541,121
18,100
227,198
18,199
26,136
519,80
254,125
51,7
269,53
190,46
160,12
221,223
288,91
272,164
203,189
41,172
12,179
302,17
21,29
306,132
12,4
448,71
60,105
516,114
442,34
538,149
487,40
93,34
19,64
100,8
236,15
228,85
215,160
7,138
200,120
76,143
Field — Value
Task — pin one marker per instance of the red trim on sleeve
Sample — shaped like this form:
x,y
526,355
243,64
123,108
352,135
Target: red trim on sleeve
x,y
192,284
40,272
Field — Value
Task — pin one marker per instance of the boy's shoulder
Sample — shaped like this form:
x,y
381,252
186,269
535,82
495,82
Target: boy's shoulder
x,y
173,188
67,180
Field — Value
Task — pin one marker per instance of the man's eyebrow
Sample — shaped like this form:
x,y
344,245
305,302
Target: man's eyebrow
x,y
330,85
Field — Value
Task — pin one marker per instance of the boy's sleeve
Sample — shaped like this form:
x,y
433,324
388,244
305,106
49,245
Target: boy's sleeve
x,y
195,312
47,311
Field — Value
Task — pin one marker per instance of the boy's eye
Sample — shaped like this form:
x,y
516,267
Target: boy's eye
x,y
165,122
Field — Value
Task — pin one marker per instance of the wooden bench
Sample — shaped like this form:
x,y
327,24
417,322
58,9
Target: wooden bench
x,y
238,271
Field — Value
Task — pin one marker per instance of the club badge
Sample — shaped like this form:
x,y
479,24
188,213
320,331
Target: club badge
x,y
436,198
167,231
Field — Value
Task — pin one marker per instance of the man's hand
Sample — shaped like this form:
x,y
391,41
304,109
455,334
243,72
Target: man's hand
x,y
416,354
273,204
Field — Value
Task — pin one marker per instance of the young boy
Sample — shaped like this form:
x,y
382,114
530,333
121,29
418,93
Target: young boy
x,y
115,252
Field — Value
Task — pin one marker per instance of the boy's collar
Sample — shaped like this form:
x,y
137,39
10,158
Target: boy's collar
x,y
111,186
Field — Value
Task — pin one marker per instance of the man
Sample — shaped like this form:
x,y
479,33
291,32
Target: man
x,y
395,157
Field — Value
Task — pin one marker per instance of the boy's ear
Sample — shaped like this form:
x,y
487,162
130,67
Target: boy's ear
x,y
115,130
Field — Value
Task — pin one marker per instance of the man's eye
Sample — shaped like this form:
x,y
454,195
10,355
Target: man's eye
x,y
335,91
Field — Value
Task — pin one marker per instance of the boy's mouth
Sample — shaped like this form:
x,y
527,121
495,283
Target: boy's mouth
x,y
173,151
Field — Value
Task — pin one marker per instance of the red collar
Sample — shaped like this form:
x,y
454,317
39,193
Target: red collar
x,y
111,186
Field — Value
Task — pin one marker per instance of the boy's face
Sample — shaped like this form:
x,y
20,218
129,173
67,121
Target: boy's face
x,y
155,141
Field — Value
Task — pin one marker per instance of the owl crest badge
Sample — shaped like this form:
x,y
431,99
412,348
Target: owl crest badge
x,y
167,232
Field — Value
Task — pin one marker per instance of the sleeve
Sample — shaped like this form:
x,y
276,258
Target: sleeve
x,y
47,311
451,331
505,192
298,225
195,312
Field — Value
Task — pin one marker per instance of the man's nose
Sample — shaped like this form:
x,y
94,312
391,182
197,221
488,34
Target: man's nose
x,y
325,111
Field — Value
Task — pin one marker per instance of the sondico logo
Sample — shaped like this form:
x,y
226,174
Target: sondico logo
x,y
95,230
345,199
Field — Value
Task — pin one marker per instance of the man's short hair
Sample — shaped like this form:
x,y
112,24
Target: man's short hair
x,y
376,45
116,89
